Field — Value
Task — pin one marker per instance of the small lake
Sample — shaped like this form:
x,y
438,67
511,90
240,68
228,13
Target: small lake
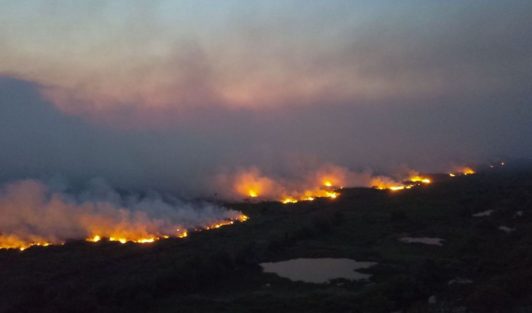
x,y
483,213
318,270
424,240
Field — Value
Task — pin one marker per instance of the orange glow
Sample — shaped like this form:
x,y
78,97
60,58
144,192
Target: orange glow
x,y
386,183
420,179
94,238
289,200
397,188
182,234
251,183
311,195
462,171
468,171
14,242
242,218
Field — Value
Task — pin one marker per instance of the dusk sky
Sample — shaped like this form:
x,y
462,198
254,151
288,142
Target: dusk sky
x,y
166,94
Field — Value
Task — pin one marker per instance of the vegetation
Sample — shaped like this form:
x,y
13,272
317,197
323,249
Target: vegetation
x,y
218,270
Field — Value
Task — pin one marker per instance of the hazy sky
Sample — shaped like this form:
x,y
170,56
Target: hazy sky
x,y
164,94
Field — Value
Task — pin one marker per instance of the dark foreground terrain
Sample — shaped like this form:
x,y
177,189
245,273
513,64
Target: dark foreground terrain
x,y
218,271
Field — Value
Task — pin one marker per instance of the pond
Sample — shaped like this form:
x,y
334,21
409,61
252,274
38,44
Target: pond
x,y
423,240
318,270
483,213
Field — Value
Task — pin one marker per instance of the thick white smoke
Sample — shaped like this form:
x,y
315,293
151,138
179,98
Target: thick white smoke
x,y
33,212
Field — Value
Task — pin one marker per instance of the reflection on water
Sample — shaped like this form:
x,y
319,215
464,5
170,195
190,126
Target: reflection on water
x,y
319,270
483,213
423,240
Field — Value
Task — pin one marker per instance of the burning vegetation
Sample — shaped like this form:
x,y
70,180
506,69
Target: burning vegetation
x,y
462,171
36,215
33,214
326,182
251,184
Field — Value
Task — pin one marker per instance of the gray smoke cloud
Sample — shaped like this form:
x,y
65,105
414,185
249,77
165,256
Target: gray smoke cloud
x,y
371,87
37,212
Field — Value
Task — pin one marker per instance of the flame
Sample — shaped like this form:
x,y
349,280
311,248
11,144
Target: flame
x,y
397,188
289,200
242,218
468,171
251,183
462,171
386,183
94,238
311,195
420,179
180,233
14,242
23,205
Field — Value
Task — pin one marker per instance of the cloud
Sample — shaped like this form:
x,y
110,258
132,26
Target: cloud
x,y
151,66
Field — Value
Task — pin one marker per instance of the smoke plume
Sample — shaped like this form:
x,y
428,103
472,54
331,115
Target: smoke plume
x,y
35,213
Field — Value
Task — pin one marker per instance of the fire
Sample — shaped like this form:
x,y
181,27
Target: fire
x,y
386,183
180,233
420,179
242,218
468,171
311,195
15,242
289,200
35,215
94,238
252,184
462,171
397,188
332,194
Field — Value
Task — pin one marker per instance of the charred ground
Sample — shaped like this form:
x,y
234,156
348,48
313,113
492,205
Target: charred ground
x,y
218,271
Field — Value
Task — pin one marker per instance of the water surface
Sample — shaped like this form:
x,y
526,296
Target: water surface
x,y
318,270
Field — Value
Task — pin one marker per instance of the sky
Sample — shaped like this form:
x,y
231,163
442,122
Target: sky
x,y
167,94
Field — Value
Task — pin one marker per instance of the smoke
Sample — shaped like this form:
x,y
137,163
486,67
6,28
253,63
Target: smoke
x,y
163,95
34,212
301,184
179,57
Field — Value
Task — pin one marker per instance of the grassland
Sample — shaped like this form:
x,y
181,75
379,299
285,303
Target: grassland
x,y
218,271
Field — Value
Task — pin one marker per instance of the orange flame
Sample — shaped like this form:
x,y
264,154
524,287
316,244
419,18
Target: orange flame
x,y
14,242
462,171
